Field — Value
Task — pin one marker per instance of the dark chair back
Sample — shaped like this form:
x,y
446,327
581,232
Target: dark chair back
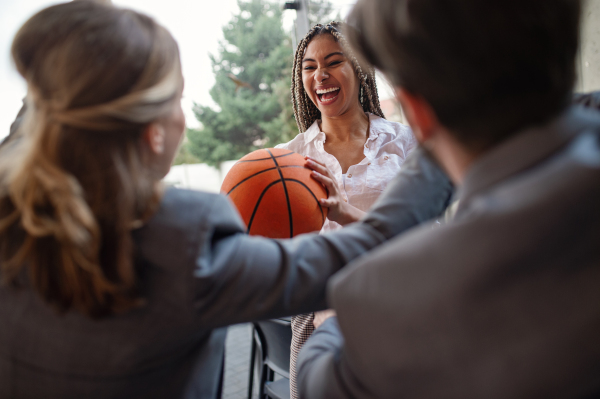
x,y
277,334
271,340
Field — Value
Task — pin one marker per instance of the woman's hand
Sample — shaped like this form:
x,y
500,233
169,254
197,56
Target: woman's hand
x,y
339,210
323,315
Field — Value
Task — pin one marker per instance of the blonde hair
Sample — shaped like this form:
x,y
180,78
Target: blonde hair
x,y
305,111
75,179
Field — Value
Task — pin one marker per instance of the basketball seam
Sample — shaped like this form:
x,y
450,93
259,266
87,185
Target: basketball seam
x,y
258,203
311,193
287,197
266,159
262,171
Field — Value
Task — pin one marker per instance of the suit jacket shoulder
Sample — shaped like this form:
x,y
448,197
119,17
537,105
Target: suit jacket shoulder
x,y
473,308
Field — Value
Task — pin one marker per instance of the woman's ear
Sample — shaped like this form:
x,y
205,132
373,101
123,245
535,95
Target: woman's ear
x,y
154,136
419,114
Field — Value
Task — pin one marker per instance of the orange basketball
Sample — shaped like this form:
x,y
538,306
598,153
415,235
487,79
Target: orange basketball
x,y
275,194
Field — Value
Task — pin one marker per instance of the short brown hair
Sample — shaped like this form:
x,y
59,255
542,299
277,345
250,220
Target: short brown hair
x,y
487,68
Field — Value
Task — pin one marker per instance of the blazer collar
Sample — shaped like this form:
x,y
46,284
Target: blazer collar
x,y
524,150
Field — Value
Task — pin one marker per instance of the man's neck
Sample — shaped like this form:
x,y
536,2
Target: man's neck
x,y
454,157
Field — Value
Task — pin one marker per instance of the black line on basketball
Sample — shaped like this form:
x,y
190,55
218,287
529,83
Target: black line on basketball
x,y
287,197
258,203
314,196
250,177
262,171
264,159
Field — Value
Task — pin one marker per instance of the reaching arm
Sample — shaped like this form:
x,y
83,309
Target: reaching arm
x,y
241,278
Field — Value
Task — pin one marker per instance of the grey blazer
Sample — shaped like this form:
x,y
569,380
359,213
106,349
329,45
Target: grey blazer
x,y
198,272
501,302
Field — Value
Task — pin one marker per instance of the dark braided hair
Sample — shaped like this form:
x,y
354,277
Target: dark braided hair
x,y
305,111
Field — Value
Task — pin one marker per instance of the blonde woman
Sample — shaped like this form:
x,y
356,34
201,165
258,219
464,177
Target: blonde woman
x,y
342,128
113,286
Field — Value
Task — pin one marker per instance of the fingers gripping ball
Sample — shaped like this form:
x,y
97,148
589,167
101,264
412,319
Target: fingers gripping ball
x,y
275,194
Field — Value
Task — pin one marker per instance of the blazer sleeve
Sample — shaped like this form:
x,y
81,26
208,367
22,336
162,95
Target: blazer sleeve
x,y
420,192
239,278
319,364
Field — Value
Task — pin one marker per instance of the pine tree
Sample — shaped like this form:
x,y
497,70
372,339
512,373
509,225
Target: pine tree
x,y
252,73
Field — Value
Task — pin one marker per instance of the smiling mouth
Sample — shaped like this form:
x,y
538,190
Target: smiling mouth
x,y
328,95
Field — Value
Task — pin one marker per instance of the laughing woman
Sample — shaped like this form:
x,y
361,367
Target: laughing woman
x,y
342,128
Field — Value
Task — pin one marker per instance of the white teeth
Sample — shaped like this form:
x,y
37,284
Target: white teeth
x,y
323,91
329,100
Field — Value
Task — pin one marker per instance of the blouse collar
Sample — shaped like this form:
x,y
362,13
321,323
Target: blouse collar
x,y
378,125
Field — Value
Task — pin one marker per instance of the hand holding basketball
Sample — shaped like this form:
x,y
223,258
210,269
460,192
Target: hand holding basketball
x,y
339,210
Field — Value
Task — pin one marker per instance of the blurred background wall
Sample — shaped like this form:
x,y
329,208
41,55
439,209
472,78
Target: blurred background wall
x,y
589,52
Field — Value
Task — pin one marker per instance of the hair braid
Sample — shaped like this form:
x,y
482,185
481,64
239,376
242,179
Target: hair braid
x,y
305,111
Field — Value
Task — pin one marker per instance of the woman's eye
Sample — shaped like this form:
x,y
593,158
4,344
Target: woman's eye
x,y
335,63
308,68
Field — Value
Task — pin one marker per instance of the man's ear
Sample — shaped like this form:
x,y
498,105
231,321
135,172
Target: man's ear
x,y
154,136
419,114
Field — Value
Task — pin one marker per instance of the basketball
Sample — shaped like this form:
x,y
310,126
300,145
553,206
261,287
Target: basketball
x,y
275,194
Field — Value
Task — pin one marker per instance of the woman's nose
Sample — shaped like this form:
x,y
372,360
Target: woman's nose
x,y
321,75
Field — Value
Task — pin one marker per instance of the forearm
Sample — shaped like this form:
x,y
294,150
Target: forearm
x,y
258,278
350,214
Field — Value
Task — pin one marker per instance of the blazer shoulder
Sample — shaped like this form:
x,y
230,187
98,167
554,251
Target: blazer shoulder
x,y
184,221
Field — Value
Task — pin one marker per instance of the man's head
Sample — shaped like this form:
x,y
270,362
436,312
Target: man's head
x,y
486,68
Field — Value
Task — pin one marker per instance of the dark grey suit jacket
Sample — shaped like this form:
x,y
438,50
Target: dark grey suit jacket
x,y
501,302
198,272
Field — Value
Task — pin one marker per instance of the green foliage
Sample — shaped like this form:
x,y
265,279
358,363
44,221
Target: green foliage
x,y
258,114
184,156
320,12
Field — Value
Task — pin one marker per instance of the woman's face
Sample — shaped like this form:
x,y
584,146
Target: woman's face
x,y
329,78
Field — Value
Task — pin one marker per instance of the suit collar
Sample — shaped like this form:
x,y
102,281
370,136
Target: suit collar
x,y
524,150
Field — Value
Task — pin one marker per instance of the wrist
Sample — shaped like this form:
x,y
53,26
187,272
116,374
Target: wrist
x,y
349,214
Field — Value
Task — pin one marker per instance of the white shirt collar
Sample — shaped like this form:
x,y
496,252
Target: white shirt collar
x,y
378,125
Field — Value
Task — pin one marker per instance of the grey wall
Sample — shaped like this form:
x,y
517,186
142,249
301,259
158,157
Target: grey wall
x,y
589,57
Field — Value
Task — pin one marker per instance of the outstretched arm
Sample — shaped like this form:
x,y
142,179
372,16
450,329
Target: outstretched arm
x,y
241,278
